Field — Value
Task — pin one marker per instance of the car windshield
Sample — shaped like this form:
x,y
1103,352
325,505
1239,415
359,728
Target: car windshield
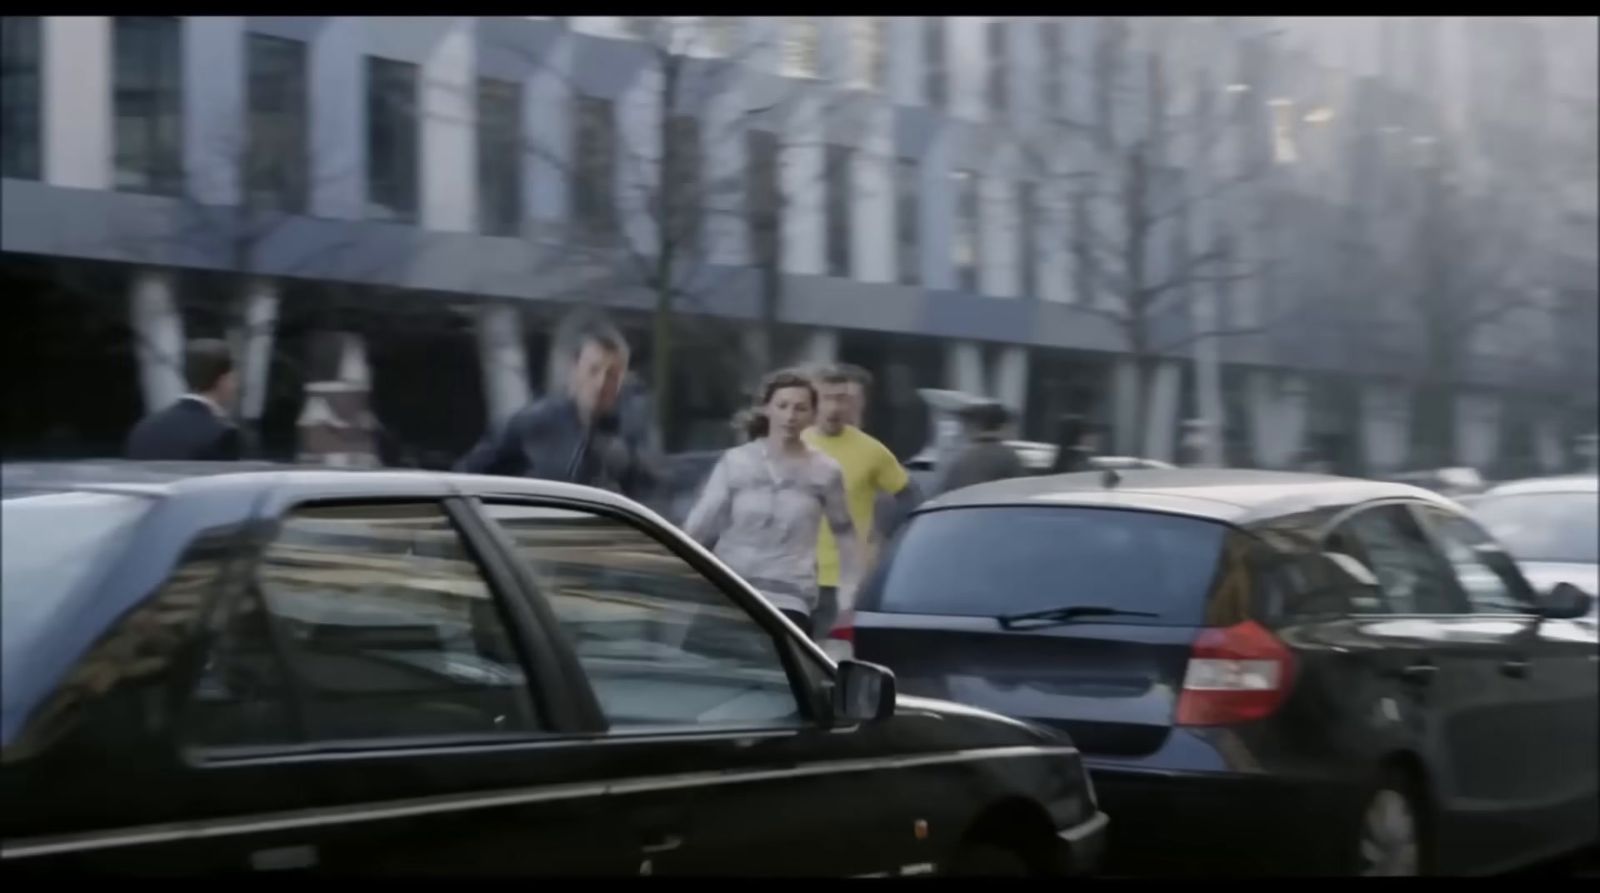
x,y
1544,526
55,542
1015,560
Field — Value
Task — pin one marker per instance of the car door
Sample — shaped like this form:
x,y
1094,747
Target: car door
x,y
719,762
1549,668
408,702
1446,666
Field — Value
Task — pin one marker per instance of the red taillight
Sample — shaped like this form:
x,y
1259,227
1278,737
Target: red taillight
x,y
841,641
1235,674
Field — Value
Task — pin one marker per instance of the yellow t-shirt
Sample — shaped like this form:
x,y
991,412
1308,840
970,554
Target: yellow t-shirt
x,y
868,468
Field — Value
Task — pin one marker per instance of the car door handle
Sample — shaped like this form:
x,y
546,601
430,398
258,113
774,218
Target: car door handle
x,y
666,844
1516,668
1419,673
287,858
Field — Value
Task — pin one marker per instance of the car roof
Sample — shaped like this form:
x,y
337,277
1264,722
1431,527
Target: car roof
x,y
173,479
1568,483
1233,496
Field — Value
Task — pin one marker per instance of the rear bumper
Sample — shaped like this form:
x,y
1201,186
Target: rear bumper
x,y
1086,843
1231,823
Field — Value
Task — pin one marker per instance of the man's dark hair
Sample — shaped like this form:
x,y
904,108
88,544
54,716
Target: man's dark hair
x,y
205,361
845,373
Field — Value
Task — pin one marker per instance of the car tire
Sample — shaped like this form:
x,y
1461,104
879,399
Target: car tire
x,y
988,860
1390,834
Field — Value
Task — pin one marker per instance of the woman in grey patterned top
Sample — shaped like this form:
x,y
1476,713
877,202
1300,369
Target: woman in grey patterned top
x,y
761,508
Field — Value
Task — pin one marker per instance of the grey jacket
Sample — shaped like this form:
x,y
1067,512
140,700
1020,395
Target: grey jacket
x,y
547,439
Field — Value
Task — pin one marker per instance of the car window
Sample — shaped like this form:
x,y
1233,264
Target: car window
x,y
1412,577
1485,573
995,560
385,625
1544,526
662,645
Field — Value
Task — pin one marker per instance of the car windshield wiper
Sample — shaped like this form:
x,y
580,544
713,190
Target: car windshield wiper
x,y
1058,616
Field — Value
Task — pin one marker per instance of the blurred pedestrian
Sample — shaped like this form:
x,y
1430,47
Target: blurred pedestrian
x,y
199,425
986,457
1075,445
869,468
766,501
584,432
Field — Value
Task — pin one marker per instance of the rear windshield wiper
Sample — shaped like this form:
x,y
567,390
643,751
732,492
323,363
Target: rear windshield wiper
x,y
1058,616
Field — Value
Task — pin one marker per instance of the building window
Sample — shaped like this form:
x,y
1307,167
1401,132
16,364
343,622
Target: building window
x,y
1108,58
762,195
149,104
1053,58
639,27
685,196
908,220
1086,263
999,83
594,194
391,140
499,157
1028,238
965,247
870,39
19,98
801,47
719,34
935,82
839,179
277,161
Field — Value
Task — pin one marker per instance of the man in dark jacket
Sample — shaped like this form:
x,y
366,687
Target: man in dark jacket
x,y
585,432
986,457
197,426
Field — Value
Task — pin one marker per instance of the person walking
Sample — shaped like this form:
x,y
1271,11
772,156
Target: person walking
x,y
1075,446
766,500
986,457
870,471
584,433
198,426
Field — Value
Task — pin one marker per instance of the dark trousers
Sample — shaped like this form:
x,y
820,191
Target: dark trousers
x,y
827,612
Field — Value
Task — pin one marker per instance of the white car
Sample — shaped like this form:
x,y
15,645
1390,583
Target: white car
x,y
1550,526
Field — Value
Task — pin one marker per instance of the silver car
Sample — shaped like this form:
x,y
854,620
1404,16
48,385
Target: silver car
x,y
1549,525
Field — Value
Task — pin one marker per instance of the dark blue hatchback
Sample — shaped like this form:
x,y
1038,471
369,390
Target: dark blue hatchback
x,y
1266,671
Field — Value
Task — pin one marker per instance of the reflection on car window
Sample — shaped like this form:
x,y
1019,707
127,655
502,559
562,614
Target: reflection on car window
x,y
1481,568
1411,577
385,624
662,645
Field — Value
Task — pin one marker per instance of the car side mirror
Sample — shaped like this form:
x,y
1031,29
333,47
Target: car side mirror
x,y
1565,602
862,692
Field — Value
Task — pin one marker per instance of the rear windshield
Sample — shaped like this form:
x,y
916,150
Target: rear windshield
x,y
53,543
1010,560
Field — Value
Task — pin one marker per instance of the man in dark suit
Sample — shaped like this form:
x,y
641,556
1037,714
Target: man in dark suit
x,y
197,426
594,433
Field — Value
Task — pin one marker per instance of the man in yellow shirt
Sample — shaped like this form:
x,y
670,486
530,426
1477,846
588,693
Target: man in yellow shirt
x,y
869,469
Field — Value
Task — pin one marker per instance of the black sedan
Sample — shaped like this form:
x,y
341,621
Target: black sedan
x,y
231,669
1289,673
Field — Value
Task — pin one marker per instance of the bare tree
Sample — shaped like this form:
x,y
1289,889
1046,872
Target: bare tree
x,y
1135,209
658,232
